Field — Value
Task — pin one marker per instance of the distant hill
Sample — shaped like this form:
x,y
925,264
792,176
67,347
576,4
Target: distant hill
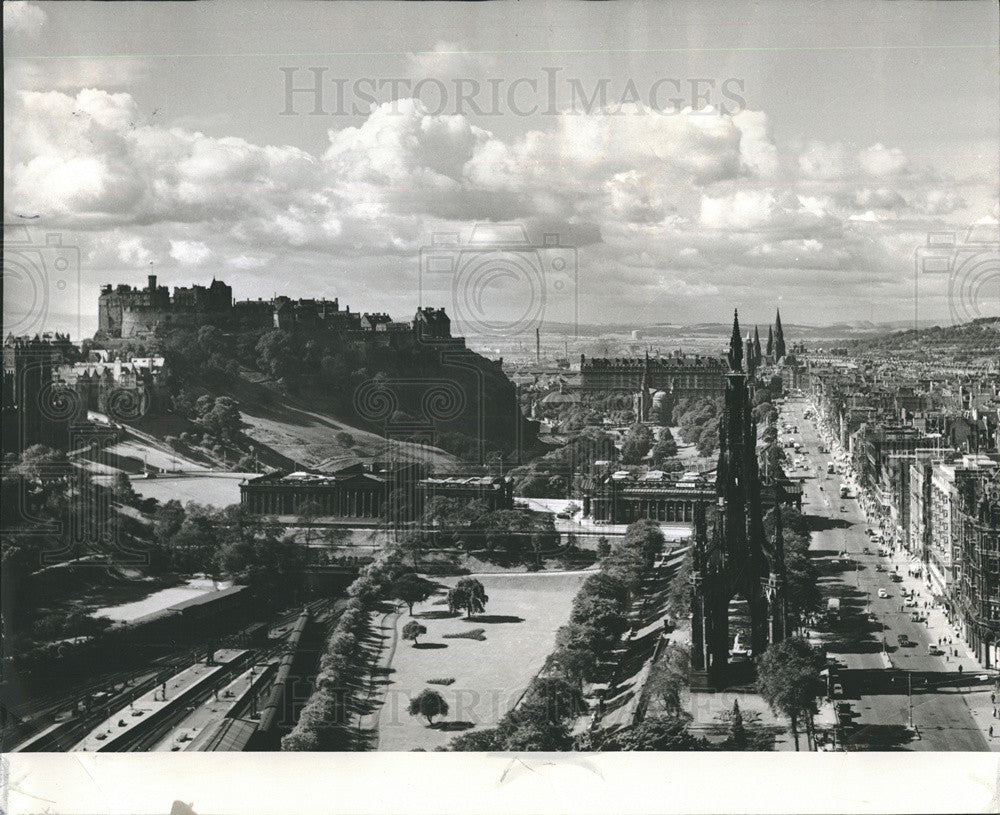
x,y
977,338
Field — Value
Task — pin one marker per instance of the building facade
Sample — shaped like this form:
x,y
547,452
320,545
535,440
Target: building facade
x,y
678,375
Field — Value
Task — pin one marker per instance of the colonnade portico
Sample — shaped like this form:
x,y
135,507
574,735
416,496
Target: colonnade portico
x,y
348,502
624,508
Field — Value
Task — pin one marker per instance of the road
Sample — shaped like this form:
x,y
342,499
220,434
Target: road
x,y
875,682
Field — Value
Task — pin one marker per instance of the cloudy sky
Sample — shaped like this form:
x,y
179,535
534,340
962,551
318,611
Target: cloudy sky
x,y
685,157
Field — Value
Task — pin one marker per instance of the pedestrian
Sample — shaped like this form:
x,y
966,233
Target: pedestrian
x,y
960,668
991,731
993,699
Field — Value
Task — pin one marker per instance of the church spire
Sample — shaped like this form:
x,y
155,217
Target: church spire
x,y
779,337
756,345
770,341
736,345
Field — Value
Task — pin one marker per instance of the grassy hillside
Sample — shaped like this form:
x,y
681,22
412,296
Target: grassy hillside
x,y
978,338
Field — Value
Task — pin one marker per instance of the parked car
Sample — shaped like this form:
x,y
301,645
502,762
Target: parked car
x,y
883,594
838,690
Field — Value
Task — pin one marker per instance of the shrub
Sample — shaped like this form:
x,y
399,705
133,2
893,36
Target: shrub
x,y
473,634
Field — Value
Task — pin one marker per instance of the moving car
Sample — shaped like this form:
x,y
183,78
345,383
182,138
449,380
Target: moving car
x,y
838,690
883,594
934,651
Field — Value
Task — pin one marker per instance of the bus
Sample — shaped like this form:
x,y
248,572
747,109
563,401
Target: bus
x,y
833,609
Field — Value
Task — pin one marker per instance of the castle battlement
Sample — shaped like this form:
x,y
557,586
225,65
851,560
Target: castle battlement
x,y
126,312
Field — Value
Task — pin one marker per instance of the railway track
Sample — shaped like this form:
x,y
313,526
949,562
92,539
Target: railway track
x,y
40,716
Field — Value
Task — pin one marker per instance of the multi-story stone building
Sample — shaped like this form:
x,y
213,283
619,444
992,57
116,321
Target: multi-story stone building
x,y
941,561
679,375
37,409
977,533
362,493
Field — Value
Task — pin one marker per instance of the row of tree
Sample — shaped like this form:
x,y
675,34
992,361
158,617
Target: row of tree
x,y
324,719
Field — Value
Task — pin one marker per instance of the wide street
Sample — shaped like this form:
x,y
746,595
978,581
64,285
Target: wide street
x,y
875,677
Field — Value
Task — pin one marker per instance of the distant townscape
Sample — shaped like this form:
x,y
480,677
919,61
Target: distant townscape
x,y
670,549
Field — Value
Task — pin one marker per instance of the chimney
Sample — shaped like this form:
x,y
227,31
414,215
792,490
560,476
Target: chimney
x,y
538,347
152,282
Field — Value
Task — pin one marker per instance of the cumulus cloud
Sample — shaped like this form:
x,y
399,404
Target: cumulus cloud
x,y
246,262
189,253
686,201
881,161
766,211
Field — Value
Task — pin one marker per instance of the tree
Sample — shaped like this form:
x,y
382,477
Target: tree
x,y
272,566
552,700
787,679
468,594
679,590
412,630
428,703
222,419
479,741
737,732
410,588
659,733
603,615
308,513
603,547
664,449
636,444
645,538
669,677
121,488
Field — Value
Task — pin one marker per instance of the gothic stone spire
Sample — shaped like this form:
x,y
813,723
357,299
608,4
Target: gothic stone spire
x,y
736,345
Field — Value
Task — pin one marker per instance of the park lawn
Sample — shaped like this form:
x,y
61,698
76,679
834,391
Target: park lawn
x,y
520,622
214,489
